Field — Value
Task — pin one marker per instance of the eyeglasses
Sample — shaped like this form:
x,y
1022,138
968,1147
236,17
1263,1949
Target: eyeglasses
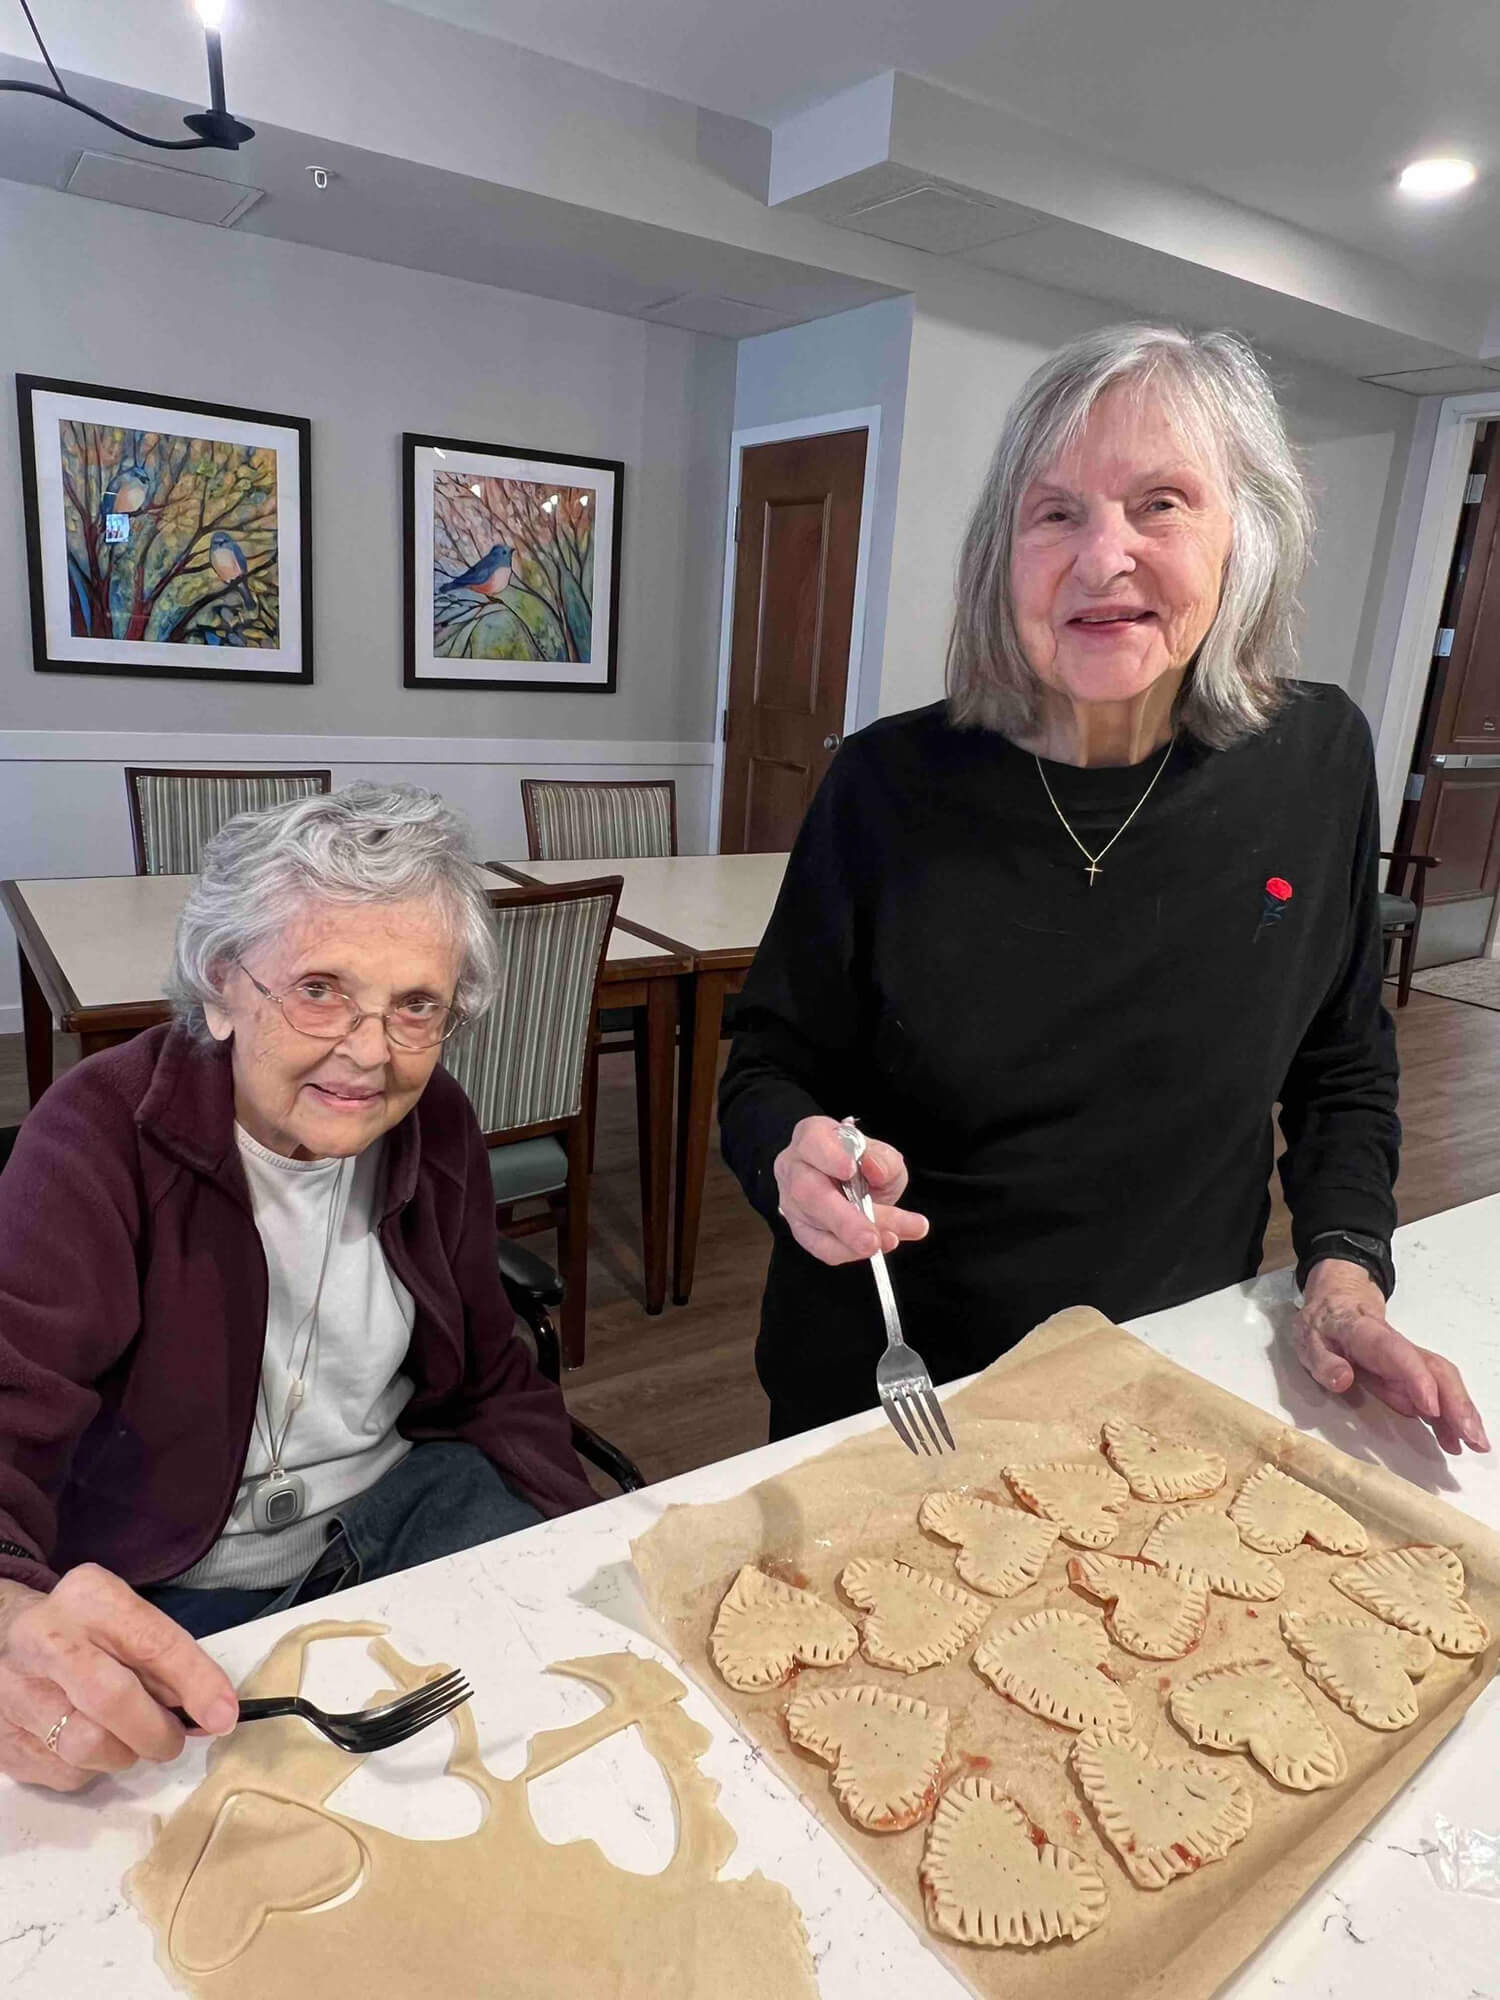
x,y
316,1008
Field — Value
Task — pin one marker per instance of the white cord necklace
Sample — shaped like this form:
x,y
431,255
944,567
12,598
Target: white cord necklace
x,y
1094,860
280,1497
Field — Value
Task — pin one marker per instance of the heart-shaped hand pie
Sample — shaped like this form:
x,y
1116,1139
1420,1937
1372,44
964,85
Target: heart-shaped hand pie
x,y
886,1750
1252,1705
1367,1669
1083,1499
1149,1614
264,1855
916,1619
1277,1513
990,1877
1193,1545
1163,1820
766,1627
1054,1664
1421,1589
1000,1549
1157,1469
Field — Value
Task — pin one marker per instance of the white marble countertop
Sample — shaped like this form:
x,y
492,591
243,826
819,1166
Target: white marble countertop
x,y
1377,1925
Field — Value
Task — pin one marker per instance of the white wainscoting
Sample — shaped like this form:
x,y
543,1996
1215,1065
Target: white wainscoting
x,y
63,811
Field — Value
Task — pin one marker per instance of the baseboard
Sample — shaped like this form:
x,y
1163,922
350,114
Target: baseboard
x,y
10,1019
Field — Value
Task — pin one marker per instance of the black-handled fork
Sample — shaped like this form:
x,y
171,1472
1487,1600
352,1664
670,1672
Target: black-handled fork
x,y
364,1729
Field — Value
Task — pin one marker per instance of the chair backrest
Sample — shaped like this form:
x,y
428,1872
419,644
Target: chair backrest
x,y
174,814
523,1064
607,820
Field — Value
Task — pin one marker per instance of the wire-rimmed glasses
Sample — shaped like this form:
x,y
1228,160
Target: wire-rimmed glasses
x,y
323,1011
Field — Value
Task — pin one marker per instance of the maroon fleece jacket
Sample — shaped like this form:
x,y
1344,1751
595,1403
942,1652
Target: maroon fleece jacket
x,y
133,1313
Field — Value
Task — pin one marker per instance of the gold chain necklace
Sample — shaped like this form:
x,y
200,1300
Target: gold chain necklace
x,y
1094,860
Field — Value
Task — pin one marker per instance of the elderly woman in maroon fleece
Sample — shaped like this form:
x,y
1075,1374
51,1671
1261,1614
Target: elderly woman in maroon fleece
x,y
253,1340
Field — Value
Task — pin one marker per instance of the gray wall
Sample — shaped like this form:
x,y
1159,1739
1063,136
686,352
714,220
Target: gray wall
x,y
849,361
135,301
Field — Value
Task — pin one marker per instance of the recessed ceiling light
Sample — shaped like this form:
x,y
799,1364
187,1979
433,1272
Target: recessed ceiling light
x,y
1430,177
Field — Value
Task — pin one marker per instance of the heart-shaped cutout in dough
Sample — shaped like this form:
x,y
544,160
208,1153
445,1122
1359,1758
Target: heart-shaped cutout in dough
x,y
1164,1820
1277,1513
1054,1663
1157,1468
1149,1613
1367,1669
1421,1589
1252,1705
916,1619
1000,1550
1197,1545
265,1856
989,1876
1084,1499
886,1750
766,1627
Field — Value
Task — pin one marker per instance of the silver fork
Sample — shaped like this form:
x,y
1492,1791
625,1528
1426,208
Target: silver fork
x,y
906,1392
361,1730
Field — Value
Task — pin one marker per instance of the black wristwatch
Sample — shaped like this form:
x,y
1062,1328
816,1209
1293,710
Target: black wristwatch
x,y
1367,1251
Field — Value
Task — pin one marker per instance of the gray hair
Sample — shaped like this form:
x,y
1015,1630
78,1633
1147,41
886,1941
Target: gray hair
x,y
365,843
1220,398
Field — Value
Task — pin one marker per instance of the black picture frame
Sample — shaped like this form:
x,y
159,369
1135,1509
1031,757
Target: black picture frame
x,y
422,667
56,653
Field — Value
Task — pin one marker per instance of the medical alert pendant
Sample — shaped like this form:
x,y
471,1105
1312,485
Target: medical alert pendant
x,y
277,1500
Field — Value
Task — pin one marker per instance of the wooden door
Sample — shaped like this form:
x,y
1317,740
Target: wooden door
x,y
797,548
1456,811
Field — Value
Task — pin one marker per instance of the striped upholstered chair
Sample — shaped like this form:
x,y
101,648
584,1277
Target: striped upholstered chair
x,y
526,1069
604,820
174,814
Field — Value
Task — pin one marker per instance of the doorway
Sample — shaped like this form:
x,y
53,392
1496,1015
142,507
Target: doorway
x,y
799,529
1452,802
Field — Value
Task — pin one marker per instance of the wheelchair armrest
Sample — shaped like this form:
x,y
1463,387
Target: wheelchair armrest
x,y
528,1279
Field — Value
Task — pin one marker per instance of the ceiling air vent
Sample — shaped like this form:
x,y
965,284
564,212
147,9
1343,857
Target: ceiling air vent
x,y
1458,378
941,219
706,312
163,190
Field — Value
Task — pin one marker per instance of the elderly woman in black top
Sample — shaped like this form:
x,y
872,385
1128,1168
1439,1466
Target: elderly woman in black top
x,y
1064,940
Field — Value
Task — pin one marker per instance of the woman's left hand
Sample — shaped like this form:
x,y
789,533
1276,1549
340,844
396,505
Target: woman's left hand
x,y
1344,1337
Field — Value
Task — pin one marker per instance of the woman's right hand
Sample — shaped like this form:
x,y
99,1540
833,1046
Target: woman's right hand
x,y
95,1652
810,1173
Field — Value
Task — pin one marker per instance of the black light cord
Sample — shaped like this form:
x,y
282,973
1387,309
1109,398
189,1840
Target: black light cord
x,y
214,128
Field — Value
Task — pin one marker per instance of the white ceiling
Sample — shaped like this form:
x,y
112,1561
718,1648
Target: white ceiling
x,y
1303,109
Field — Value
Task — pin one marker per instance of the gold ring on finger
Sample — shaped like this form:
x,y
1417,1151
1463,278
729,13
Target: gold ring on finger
x,y
54,1735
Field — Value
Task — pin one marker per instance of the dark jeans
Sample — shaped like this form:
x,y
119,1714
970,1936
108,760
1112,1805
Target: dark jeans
x,y
441,1498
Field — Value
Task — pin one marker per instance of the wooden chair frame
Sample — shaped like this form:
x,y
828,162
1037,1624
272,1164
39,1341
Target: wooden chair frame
x,y
533,841
567,1208
1405,935
134,771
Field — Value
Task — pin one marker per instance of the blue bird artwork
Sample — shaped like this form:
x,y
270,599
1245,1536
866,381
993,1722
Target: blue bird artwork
x,y
486,578
227,561
127,491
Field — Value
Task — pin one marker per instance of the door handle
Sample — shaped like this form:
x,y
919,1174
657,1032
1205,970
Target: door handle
x,y
832,742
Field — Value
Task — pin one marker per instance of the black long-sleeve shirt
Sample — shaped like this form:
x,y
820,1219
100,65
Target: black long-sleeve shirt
x,y
1081,1078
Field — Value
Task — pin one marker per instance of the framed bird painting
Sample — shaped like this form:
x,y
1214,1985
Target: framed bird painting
x,y
512,566
165,539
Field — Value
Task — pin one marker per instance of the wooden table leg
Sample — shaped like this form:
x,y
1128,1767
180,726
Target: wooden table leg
x,y
654,1047
703,1019
36,1028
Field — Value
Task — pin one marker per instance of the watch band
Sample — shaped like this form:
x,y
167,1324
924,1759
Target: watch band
x,y
16,1549
1349,1247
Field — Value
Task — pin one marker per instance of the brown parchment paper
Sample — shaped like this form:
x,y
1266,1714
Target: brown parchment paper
x,y
1047,1399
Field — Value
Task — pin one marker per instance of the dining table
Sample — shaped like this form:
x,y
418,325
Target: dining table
x,y
94,953
712,909
1385,1921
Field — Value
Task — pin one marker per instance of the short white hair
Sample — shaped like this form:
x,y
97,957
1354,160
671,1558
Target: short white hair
x,y
1219,397
365,843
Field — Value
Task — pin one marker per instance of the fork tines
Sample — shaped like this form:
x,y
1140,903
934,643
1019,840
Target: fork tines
x,y
917,1419
380,1728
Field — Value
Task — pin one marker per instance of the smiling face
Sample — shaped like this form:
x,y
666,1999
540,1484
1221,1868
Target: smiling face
x,y
310,1099
1118,555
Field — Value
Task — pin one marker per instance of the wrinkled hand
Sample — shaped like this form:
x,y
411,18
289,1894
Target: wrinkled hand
x,y
94,1651
1344,1337
810,1173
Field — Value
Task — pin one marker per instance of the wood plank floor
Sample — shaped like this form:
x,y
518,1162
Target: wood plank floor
x,y
680,1390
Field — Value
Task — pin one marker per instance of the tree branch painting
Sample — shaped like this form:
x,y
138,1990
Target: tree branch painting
x,y
513,568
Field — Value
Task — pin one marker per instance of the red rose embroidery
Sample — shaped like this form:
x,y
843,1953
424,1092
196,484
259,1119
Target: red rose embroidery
x,y
1281,890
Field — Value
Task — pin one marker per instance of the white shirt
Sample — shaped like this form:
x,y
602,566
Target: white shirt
x,y
342,1437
